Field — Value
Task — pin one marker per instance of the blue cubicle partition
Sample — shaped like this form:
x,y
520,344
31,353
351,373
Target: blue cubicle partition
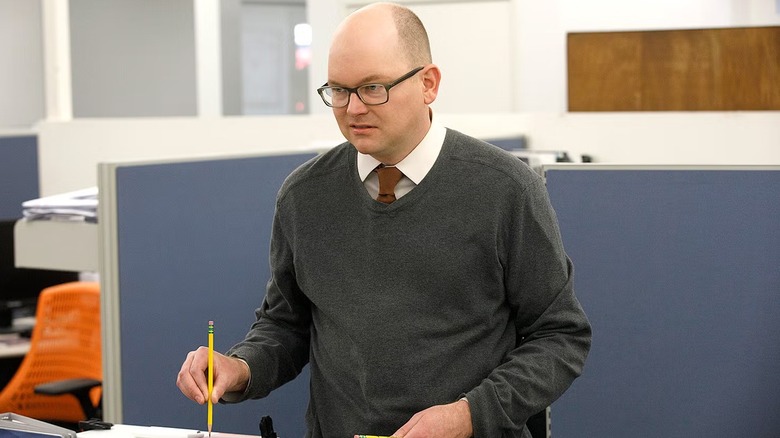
x,y
679,272
18,173
193,241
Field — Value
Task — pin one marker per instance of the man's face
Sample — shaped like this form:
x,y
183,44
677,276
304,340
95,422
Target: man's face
x,y
380,130
388,132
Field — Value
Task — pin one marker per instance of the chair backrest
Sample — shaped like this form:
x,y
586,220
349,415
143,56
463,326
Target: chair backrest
x,y
65,344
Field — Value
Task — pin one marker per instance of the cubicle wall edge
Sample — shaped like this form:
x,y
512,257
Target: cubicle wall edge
x,y
109,297
604,166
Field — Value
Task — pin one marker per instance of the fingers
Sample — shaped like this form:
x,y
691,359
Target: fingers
x,y
230,375
450,420
191,379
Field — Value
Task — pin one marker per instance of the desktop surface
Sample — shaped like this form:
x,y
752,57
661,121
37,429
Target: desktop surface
x,y
14,345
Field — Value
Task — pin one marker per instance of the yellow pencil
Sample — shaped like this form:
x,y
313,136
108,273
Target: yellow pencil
x,y
211,373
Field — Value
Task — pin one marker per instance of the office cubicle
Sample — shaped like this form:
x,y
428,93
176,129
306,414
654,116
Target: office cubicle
x,y
185,242
18,183
677,269
18,173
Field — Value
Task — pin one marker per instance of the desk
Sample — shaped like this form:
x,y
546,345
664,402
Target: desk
x,y
128,431
12,344
21,426
11,357
13,348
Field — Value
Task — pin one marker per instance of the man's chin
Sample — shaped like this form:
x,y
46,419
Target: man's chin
x,y
364,147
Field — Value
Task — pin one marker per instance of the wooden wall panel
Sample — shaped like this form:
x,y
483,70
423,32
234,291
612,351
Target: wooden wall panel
x,y
676,70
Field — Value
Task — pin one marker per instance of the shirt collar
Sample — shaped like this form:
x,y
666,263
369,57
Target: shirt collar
x,y
418,163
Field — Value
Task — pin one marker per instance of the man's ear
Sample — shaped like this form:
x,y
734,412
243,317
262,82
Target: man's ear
x,y
431,77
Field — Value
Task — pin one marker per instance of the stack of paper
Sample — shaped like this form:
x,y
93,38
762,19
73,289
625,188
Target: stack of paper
x,y
80,205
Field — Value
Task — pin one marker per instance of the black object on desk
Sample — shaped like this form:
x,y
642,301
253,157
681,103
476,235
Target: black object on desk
x,y
94,424
267,427
26,333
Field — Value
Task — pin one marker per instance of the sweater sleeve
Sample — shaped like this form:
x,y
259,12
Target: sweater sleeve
x,y
276,348
553,333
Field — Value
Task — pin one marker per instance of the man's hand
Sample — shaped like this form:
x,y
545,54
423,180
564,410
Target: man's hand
x,y
442,421
230,375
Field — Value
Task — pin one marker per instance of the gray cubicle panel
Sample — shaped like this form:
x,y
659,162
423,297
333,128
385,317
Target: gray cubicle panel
x,y
679,272
193,241
18,173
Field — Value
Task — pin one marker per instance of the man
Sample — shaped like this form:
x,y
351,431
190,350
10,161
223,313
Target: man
x,y
442,309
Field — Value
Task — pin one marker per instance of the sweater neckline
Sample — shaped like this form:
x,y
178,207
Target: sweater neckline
x,y
418,191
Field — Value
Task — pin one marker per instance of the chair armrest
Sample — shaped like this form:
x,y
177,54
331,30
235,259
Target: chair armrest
x,y
79,388
67,386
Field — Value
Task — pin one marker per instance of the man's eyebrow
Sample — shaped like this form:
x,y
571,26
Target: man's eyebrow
x,y
373,79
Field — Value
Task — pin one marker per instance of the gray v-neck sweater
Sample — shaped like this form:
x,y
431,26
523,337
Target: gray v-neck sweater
x,y
461,287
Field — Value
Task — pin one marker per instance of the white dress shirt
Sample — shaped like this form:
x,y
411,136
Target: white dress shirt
x,y
414,167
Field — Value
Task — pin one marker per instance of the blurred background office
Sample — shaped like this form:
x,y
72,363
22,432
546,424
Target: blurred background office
x,y
91,77
91,89
149,58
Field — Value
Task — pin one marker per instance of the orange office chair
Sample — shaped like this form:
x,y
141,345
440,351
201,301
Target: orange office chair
x,y
64,348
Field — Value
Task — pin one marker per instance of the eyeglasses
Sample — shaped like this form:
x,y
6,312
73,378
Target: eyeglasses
x,y
369,94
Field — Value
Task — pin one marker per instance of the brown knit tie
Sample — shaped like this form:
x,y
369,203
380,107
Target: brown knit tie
x,y
388,178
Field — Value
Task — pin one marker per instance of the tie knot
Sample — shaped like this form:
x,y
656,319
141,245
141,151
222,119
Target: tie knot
x,y
388,178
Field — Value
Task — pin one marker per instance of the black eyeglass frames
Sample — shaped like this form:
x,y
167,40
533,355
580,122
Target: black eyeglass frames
x,y
369,94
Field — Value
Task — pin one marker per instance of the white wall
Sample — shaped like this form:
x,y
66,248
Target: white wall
x,y
133,58
21,69
732,138
70,151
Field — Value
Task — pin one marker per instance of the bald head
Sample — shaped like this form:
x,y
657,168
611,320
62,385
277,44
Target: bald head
x,y
386,26
412,36
382,45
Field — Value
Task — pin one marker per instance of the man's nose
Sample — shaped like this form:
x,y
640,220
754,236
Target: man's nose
x,y
355,105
